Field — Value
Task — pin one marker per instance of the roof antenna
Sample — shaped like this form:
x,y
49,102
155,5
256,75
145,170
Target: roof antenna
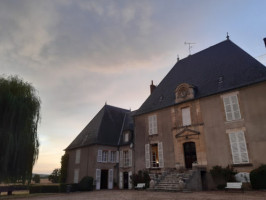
x,y
227,36
105,102
189,46
178,58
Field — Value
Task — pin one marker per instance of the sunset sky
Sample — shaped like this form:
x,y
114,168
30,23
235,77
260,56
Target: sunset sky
x,y
80,54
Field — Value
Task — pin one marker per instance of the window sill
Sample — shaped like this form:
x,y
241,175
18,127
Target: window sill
x,y
232,121
242,165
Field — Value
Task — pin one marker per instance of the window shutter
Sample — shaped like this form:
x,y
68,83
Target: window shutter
x,y
150,125
186,118
147,156
231,108
130,158
110,178
160,152
120,180
154,124
99,157
129,180
235,107
98,179
121,161
238,147
109,156
117,156
76,175
77,161
242,147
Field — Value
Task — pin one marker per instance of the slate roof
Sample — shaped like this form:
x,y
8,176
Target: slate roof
x,y
103,129
203,70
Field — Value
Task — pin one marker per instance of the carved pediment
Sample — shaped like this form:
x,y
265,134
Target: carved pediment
x,y
184,92
186,132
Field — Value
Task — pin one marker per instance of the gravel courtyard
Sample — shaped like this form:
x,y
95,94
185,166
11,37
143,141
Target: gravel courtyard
x,y
148,195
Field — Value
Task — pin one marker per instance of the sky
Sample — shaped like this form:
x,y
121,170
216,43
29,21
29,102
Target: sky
x,y
81,54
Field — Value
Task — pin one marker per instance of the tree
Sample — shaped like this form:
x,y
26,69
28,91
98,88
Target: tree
x,y
54,176
64,164
36,178
19,119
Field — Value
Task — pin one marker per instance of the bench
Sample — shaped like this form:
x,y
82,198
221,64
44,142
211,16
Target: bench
x,y
140,186
234,185
8,189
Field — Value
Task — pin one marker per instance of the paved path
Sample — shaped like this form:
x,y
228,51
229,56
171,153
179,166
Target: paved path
x,y
148,195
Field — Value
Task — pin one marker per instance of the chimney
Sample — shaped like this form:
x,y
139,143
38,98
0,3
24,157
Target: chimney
x,y
264,41
152,87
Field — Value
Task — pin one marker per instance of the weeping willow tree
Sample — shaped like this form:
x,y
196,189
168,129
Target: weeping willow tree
x,y
19,118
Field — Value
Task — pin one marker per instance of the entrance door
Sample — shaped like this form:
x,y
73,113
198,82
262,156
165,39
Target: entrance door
x,y
104,179
125,176
189,154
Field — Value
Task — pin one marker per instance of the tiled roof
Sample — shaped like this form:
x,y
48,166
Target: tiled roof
x,y
104,128
219,68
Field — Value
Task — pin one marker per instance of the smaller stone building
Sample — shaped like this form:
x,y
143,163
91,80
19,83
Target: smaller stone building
x,y
103,150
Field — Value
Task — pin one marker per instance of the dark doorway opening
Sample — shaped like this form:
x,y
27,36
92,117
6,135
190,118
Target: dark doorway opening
x,y
104,179
125,176
189,154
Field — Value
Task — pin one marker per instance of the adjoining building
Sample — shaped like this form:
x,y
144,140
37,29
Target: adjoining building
x,y
103,150
208,110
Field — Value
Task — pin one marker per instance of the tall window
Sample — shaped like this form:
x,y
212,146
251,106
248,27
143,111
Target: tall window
x,y
186,118
76,176
126,158
77,160
154,155
231,108
104,156
152,124
113,157
238,147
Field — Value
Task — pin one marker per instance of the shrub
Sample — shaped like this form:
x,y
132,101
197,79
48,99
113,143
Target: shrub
x,y
141,177
258,177
36,178
222,175
63,187
44,189
86,184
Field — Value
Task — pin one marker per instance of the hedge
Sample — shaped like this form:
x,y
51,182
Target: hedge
x,y
258,177
44,189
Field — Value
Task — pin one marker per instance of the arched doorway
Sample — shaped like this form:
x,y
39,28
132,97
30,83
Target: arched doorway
x,y
189,154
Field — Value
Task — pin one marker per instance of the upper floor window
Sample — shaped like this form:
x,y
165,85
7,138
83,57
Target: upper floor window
x,y
231,107
77,160
104,156
238,147
186,118
152,124
113,156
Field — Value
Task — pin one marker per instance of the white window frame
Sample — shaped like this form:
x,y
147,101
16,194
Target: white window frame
x,y
238,147
113,157
126,136
186,116
148,159
104,156
126,158
99,156
231,107
152,120
77,159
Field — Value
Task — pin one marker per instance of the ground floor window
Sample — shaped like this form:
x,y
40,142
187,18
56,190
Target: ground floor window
x,y
238,147
154,155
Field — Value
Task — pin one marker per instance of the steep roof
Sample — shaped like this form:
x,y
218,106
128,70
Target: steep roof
x,y
224,61
104,128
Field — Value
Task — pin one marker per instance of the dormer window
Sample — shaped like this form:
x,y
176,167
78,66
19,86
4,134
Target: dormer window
x,y
126,137
184,92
